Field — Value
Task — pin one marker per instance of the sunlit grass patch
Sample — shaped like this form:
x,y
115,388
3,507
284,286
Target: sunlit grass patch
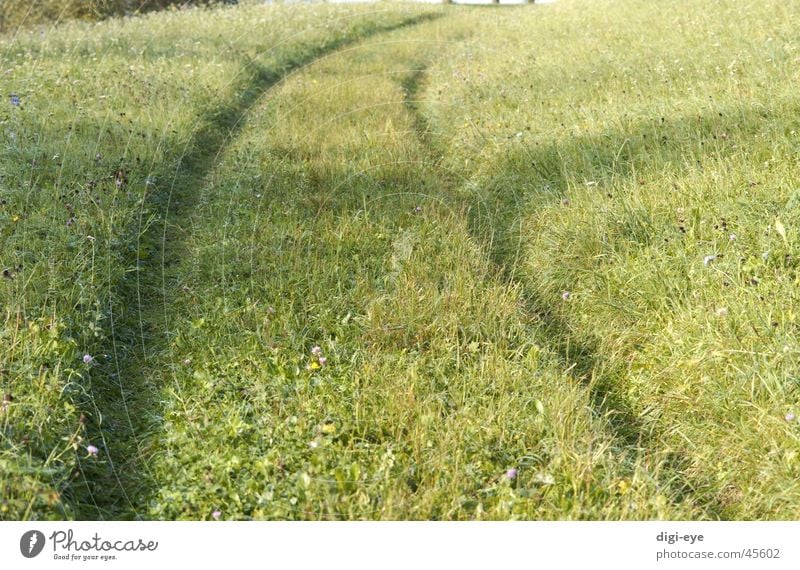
x,y
653,180
106,127
351,341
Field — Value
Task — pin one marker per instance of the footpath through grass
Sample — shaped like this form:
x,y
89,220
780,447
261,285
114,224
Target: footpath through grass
x,y
519,262
345,348
100,128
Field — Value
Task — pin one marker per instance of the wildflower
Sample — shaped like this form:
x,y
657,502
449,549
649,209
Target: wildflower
x,y
708,259
216,514
313,444
187,361
565,295
87,358
322,361
790,417
511,473
15,99
732,237
722,312
765,255
92,450
418,209
316,351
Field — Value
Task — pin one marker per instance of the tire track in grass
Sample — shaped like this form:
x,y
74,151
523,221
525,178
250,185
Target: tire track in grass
x,y
578,360
410,356
127,411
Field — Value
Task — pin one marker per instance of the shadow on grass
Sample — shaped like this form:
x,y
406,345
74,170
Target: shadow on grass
x,y
128,410
544,173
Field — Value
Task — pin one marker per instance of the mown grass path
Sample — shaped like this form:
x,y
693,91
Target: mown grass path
x,y
330,221
402,266
146,319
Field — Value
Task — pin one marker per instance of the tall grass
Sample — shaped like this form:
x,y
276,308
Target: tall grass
x,y
653,178
15,14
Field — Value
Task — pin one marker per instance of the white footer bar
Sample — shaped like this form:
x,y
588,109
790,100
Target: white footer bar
x,y
417,545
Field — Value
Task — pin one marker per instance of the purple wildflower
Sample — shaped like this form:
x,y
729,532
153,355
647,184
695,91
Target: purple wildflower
x,y
565,295
790,417
322,361
15,99
216,514
511,473
92,450
87,358
316,351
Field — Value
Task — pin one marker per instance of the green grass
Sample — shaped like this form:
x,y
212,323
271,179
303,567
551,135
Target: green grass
x,y
115,120
198,199
670,138
435,384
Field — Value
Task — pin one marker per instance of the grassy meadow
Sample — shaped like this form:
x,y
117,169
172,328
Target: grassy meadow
x,y
398,261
